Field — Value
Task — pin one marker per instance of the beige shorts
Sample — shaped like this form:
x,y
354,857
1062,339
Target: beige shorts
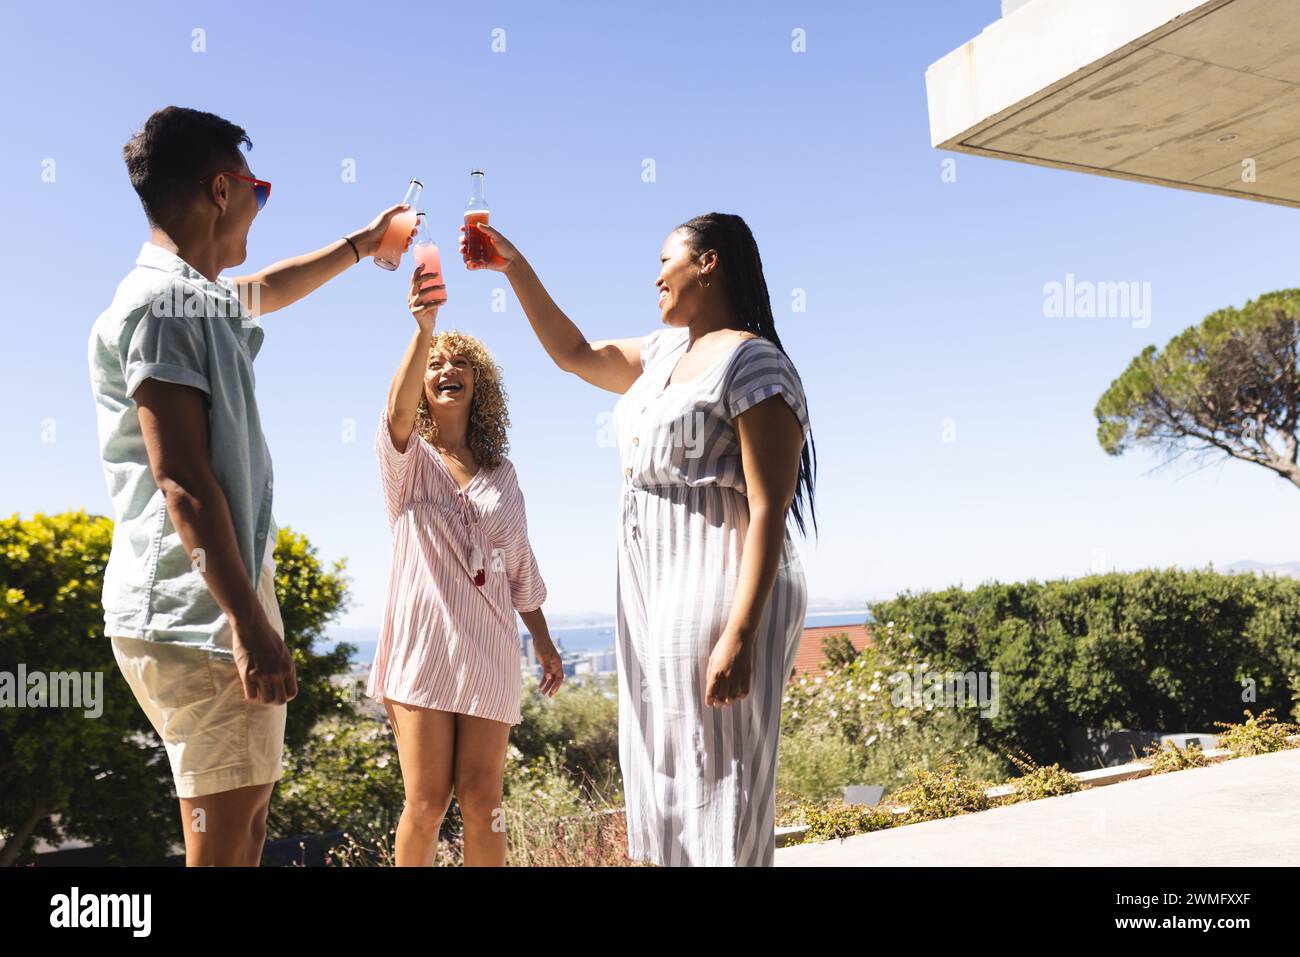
x,y
215,739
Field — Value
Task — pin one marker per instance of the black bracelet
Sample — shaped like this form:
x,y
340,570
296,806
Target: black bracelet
x,y
349,241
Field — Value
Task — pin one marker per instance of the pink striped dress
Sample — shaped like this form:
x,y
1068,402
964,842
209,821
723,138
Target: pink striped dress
x,y
462,566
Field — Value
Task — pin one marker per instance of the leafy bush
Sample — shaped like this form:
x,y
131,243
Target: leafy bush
x,y
311,595
815,765
1261,735
1038,781
1162,760
1154,650
106,780
64,775
836,820
943,792
578,728
851,725
346,773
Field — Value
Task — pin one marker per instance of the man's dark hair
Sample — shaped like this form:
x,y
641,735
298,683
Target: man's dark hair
x,y
173,151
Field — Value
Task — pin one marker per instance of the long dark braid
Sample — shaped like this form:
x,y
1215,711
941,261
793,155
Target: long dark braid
x,y
742,268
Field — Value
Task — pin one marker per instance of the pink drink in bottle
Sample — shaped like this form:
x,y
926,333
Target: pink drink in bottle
x,y
426,254
389,253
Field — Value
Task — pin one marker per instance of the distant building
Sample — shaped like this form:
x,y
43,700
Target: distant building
x,y
811,660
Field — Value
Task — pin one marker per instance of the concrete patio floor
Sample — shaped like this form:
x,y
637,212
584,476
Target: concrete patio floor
x,y
1241,812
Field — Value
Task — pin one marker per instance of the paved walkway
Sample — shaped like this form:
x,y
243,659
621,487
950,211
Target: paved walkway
x,y
1245,811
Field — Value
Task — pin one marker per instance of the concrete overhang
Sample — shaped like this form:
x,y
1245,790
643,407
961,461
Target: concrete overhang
x,y
1194,94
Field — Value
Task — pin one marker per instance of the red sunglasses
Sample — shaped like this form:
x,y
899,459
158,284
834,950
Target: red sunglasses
x,y
261,188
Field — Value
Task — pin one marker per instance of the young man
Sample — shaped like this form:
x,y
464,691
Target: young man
x,y
189,595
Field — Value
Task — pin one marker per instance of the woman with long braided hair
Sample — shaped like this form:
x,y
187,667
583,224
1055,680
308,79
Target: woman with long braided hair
x,y
716,449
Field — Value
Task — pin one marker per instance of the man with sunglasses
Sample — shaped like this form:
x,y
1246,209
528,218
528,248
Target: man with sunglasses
x,y
189,595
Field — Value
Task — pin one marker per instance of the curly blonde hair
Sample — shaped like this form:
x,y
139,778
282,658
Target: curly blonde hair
x,y
488,418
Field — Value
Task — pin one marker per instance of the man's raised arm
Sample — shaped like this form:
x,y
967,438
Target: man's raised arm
x,y
284,283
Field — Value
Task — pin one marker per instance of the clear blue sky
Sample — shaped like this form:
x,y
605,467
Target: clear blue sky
x,y
924,298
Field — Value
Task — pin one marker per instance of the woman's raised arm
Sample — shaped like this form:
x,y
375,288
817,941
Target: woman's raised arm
x,y
612,364
427,294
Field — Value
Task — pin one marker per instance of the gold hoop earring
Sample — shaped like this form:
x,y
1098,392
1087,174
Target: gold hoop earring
x,y
700,278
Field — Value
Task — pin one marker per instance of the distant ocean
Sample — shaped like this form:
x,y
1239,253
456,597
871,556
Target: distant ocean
x,y
579,640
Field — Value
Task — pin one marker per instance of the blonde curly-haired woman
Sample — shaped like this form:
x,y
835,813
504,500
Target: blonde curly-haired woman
x,y
447,663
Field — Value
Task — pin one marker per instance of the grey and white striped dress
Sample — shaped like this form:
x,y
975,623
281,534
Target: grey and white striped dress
x,y
699,782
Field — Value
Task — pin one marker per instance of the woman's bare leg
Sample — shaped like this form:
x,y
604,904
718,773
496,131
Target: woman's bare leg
x,y
426,746
480,763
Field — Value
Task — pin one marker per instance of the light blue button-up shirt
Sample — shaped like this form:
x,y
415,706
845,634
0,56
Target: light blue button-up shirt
x,y
168,322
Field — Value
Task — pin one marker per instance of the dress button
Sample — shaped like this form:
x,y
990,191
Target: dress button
x,y
636,440
627,472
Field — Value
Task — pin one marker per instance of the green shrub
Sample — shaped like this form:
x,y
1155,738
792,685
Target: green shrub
x,y
943,792
1261,735
106,780
346,776
1037,781
834,820
928,741
816,765
1162,760
1156,650
845,726
578,727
